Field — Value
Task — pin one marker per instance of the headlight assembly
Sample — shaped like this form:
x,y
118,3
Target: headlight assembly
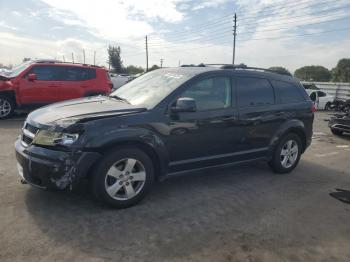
x,y
50,138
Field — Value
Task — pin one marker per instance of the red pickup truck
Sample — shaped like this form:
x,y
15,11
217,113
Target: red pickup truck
x,y
38,83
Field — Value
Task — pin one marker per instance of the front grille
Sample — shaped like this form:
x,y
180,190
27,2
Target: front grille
x,y
29,132
31,129
27,139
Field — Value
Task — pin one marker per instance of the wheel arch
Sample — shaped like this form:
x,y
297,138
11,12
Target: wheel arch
x,y
294,126
11,94
158,156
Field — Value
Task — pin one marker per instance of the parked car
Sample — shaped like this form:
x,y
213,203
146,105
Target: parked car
x,y
340,123
166,122
321,99
310,86
38,83
119,80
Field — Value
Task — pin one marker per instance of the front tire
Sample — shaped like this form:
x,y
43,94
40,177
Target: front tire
x,y
287,154
123,177
7,107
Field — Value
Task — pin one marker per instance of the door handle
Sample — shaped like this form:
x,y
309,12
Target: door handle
x,y
229,118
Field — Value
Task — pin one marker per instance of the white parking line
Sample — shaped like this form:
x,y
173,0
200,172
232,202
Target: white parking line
x,y
319,134
327,154
342,146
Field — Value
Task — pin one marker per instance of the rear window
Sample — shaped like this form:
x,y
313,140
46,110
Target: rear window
x,y
78,73
287,92
254,92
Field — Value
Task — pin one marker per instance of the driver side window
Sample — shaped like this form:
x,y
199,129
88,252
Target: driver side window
x,y
210,93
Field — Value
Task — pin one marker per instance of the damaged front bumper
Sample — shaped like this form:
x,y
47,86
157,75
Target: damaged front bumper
x,y
47,168
340,122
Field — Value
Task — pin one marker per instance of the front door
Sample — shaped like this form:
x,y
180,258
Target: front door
x,y
44,89
209,135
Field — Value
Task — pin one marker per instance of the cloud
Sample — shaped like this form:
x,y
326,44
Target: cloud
x,y
207,4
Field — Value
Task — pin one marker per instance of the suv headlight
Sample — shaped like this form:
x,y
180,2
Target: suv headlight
x,y
50,138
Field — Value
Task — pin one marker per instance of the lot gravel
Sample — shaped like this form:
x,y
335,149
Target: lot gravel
x,y
245,213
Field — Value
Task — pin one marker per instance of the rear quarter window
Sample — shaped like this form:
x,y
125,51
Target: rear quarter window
x,y
287,92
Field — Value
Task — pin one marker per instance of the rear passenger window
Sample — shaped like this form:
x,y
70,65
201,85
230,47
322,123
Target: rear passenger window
x,y
254,92
78,74
46,73
286,92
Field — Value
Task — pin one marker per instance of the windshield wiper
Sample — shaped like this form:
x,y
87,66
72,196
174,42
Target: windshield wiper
x,y
119,98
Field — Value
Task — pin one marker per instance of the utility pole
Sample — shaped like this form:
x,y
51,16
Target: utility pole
x,y
84,55
146,54
161,62
64,59
179,63
234,38
94,57
73,58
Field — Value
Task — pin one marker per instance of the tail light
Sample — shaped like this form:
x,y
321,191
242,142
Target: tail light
x,y
313,108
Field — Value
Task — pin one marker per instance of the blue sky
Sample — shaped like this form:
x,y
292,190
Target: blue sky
x,y
178,30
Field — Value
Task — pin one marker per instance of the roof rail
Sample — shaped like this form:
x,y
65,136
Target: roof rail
x,y
53,61
243,66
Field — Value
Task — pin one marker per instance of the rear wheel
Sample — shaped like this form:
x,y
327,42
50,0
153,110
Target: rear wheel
x,y
287,154
336,132
7,107
123,177
327,107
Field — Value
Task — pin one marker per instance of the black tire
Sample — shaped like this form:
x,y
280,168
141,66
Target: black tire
x,y
98,179
9,102
275,162
327,107
336,132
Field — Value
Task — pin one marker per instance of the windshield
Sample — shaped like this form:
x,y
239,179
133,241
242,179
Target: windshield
x,y
151,88
18,69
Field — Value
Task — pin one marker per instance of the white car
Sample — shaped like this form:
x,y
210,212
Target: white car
x,y
321,99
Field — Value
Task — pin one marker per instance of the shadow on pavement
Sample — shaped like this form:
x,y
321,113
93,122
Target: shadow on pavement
x,y
187,215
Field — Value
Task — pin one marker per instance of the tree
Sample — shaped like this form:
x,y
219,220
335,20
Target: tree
x,y
114,59
133,70
313,73
341,73
26,59
154,67
280,70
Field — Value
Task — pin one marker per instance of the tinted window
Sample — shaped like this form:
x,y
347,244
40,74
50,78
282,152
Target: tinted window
x,y
313,96
321,94
77,74
211,93
254,92
46,73
286,92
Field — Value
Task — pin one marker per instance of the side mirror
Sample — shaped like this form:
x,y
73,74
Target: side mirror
x,y
31,77
184,104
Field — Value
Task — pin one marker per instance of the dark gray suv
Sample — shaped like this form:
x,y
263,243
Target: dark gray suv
x,y
166,122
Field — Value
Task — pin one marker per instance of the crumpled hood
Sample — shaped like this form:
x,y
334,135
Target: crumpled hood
x,y
83,108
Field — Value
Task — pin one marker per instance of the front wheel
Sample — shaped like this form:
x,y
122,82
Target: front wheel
x,y
7,107
287,154
123,177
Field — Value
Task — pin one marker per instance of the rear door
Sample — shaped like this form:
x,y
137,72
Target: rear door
x,y
76,82
44,89
259,115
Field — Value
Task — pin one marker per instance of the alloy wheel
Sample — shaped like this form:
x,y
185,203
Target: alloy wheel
x,y
289,153
125,179
5,108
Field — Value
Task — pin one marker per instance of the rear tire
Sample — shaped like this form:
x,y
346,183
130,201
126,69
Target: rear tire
x,y
336,132
327,107
123,177
7,107
287,154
